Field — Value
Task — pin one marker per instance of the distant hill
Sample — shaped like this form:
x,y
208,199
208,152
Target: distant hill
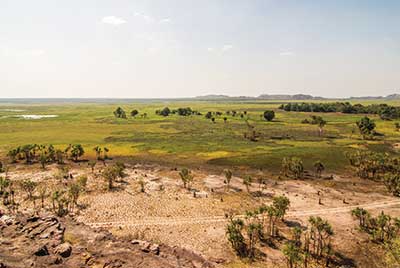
x,y
294,97
288,97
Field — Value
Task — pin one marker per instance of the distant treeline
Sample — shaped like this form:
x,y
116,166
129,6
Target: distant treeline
x,y
386,112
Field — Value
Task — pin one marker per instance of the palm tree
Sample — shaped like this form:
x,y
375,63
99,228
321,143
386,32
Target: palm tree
x,y
362,215
292,253
186,177
42,190
319,167
247,180
228,177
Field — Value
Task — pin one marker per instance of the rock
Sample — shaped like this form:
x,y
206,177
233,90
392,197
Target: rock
x,y
155,249
41,251
6,219
64,250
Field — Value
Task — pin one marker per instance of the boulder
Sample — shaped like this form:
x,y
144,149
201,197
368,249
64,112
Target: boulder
x,y
41,251
64,250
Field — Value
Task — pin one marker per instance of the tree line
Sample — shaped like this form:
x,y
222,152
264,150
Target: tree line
x,y
385,111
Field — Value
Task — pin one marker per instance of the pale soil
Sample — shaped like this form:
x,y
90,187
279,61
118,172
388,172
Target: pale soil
x,y
170,214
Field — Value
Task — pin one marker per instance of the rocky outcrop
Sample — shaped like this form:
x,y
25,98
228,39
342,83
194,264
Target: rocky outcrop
x,y
47,241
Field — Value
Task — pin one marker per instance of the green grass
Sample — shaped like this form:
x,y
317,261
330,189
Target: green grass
x,y
194,140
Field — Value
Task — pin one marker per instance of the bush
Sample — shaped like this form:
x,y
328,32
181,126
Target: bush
x,y
269,115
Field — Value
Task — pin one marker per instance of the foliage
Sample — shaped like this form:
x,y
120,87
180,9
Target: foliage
x,y
164,112
228,176
120,113
319,168
366,127
186,177
385,111
134,113
292,253
292,167
77,151
247,181
269,115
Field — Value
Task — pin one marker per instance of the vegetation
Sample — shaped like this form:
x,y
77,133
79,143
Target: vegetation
x,y
186,177
120,113
366,127
269,115
385,111
292,167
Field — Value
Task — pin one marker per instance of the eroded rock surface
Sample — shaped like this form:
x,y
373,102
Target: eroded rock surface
x,y
47,241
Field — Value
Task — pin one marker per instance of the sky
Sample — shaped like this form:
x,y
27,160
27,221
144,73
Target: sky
x,y
184,48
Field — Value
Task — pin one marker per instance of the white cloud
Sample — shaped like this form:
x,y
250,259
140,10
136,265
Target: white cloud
x,y
286,53
113,20
226,48
210,49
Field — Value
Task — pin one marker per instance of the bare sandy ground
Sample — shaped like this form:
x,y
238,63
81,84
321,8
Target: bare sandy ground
x,y
170,214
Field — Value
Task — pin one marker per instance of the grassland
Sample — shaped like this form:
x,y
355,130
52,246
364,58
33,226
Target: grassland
x,y
192,140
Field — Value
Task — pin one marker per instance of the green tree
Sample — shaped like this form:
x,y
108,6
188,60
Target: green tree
x,y
281,203
362,215
292,253
319,168
120,113
247,181
29,187
186,177
228,177
134,113
235,236
77,151
269,115
110,174
366,127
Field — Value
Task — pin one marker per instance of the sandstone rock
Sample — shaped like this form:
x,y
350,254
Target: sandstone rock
x,y
41,251
64,250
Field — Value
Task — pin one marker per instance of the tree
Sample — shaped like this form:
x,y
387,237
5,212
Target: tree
x,y
393,253
29,187
165,112
318,167
321,231
77,151
208,115
247,180
269,115
318,120
134,113
98,152
292,253
235,236
186,177
42,190
292,167
74,190
362,215
12,154
110,174
92,165
281,203
392,182
228,177
120,113
366,127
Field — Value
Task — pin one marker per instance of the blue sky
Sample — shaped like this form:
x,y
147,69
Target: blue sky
x,y
179,48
